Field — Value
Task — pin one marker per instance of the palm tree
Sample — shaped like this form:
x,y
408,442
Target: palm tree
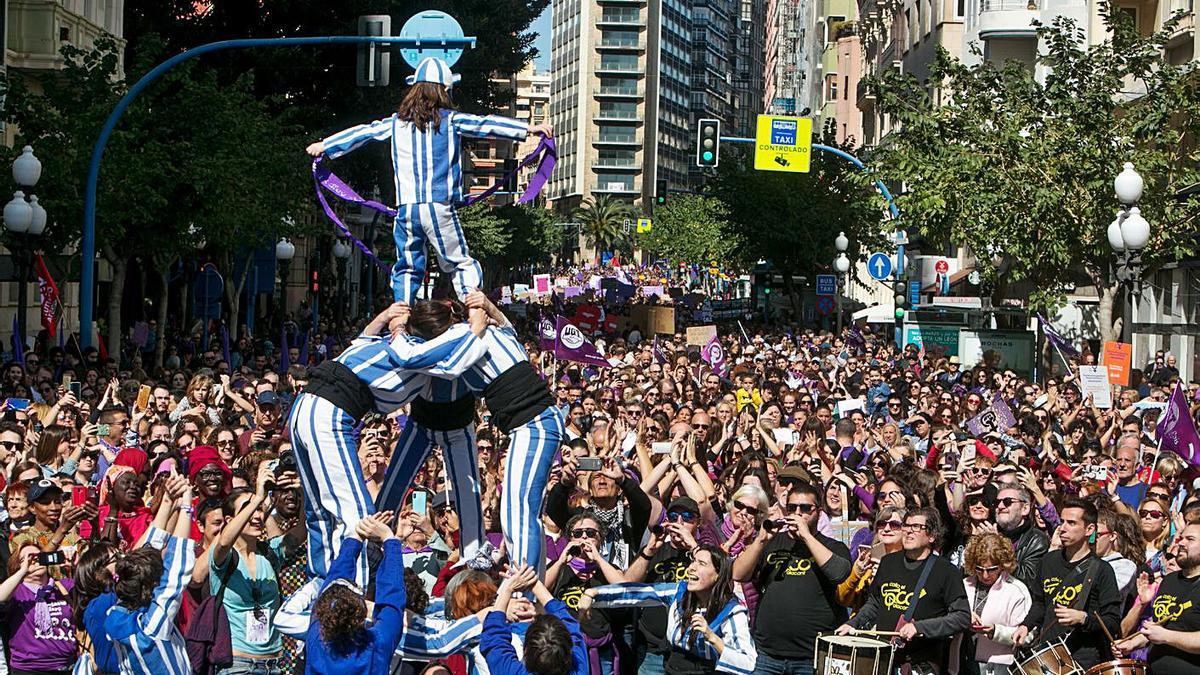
x,y
602,221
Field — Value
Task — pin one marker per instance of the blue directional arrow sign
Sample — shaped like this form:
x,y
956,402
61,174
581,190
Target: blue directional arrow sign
x,y
879,266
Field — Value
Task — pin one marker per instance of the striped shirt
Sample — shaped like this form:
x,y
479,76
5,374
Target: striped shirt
x,y
732,625
146,639
427,164
399,370
503,351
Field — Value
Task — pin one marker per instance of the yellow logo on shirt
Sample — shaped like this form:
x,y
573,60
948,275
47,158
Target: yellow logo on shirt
x,y
1167,608
570,597
792,566
670,570
1050,584
1067,594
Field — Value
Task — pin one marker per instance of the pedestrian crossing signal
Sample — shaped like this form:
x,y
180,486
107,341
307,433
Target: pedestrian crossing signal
x,y
708,143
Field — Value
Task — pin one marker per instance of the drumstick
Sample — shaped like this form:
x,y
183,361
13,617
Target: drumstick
x,y
1103,627
889,633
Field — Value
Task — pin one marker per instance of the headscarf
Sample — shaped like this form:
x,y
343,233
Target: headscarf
x,y
134,458
204,456
110,478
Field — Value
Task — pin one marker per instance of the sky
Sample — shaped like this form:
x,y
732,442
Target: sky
x,y
541,26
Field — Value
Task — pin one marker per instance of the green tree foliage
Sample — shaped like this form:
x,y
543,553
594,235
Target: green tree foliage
x,y
509,240
691,228
1020,168
602,221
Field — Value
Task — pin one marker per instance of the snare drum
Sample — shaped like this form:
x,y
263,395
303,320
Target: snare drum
x,y
852,655
1053,658
1118,667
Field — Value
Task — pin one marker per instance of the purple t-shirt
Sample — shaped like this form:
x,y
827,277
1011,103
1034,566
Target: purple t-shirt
x,y
41,640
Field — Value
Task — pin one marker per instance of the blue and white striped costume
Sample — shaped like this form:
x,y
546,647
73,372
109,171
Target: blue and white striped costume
x,y
146,639
323,434
527,466
732,624
428,176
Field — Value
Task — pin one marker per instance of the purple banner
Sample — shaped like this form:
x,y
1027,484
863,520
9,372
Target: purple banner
x,y
572,345
1176,429
714,355
997,417
657,351
572,291
225,347
1055,338
546,335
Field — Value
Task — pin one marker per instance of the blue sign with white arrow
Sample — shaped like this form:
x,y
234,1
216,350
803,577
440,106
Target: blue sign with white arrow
x,y
879,266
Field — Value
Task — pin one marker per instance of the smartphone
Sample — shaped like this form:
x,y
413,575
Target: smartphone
x,y
420,502
17,404
48,558
878,551
660,447
76,390
79,495
67,379
143,397
590,463
102,430
864,547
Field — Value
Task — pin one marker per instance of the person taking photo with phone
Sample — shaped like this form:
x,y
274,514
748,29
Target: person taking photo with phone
x,y
40,623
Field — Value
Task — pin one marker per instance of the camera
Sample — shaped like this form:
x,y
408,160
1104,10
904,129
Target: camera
x,y
48,558
575,551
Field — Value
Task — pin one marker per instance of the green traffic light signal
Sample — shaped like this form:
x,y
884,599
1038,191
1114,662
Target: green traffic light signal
x,y
899,313
767,290
708,156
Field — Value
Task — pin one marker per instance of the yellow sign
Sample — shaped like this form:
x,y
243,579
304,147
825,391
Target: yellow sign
x,y
644,225
783,144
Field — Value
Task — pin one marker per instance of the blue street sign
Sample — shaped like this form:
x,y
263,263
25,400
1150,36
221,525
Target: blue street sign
x,y
879,266
826,284
433,33
824,305
914,292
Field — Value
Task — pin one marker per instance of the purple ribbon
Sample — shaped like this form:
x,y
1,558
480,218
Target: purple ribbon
x,y
546,154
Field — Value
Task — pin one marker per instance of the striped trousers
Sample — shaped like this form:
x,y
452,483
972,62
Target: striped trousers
x,y
462,475
335,493
531,450
438,224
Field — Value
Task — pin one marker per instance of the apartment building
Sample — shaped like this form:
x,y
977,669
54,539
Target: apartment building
x,y
526,96
748,68
788,60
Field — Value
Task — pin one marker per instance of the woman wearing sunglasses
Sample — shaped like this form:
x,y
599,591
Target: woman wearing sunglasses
x,y
1156,519
887,532
998,602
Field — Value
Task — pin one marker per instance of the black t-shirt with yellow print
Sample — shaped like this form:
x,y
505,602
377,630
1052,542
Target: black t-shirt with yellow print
x,y
1176,607
796,599
668,565
1059,583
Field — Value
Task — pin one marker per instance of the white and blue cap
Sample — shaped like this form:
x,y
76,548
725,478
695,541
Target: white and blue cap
x,y
434,70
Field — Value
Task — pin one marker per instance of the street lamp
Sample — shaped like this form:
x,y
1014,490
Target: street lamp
x,y
341,254
25,221
1128,235
841,265
284,252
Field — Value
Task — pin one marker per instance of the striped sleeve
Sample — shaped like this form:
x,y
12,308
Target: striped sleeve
x,y
159,619
448,355
423,641
634,595
345,141
739,656
489,126
293,616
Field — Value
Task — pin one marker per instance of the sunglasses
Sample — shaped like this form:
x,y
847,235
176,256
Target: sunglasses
x,y
581,532
681,516
752,510
801,508
980,569
1009,501
891,493
975,499
889,525
10,445
1151,513
1158,495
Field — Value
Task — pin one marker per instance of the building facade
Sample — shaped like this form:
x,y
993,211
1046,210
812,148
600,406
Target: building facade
x,y
749,67
526,97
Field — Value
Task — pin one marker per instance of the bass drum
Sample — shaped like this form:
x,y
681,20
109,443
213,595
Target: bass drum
x,y
852,655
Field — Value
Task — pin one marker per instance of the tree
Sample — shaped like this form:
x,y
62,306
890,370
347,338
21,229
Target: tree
x,y
509,240
791,220
602,221
691,228
1020,168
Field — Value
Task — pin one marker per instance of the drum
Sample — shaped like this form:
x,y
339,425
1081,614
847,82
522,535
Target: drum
x,y
1053,658
852,655
1118,667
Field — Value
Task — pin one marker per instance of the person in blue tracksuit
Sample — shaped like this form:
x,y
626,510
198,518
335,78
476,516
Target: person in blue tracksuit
x,y
376,372
520,404
337,640
553,644
425,135
141,625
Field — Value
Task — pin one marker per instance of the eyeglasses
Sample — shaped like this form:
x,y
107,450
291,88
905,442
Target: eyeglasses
x,y
980,569
1007,502
752,510
681,516
589,532
209,473
226,442
801,508
1151,513
892,493
889,525
915,527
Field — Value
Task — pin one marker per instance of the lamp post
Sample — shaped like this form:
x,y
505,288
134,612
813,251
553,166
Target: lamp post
x,y
25,221
841,265
1128,235
341,254
285,250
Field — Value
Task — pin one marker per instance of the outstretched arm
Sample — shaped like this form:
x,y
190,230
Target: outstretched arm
x,y
489,126
345,141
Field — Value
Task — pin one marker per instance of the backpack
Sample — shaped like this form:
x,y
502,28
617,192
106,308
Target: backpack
x,y
208,641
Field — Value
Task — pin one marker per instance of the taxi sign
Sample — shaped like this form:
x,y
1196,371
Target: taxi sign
x,y
644,225
783,143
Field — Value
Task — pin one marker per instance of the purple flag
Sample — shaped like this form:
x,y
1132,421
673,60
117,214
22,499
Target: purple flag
x,y
225,346
283,350
657,351
572,345
997,417
714,355
1176,429
546,334
18,342
304,349
1060,343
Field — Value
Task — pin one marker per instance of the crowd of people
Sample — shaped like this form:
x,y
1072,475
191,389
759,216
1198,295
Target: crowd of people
x,y
692,522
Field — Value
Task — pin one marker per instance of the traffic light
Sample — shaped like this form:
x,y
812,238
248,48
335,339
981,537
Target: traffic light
x,y
374,61
660,192
315,281
708,143
900,286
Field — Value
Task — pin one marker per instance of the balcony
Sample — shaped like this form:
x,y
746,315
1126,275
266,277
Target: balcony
x,y
620,19
617,116
622,2
601,164
617,139
621,92
1007,18
616,188
610,44
620,68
